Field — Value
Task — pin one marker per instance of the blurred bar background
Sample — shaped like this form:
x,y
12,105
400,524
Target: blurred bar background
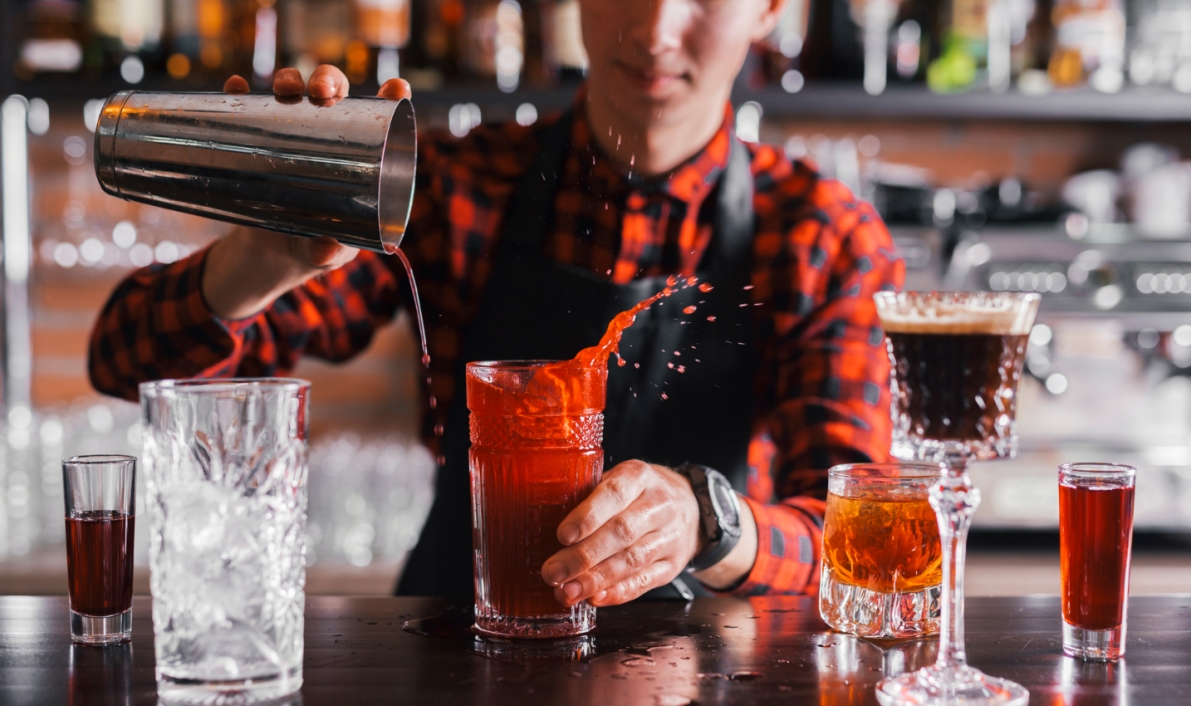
x,y
1022,145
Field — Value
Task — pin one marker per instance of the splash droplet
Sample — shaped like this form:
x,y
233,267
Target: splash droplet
x,y
637,365
441,460
425,360
670,365
748,287
705,287
711,318
679,353
682,368
671,281
438,429
690,281
433,402
664,397
689,310
620,362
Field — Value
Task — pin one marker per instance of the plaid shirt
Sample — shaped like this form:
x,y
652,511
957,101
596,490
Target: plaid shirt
x,y
819,256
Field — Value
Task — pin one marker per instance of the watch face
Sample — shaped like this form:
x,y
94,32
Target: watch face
x,y
721,495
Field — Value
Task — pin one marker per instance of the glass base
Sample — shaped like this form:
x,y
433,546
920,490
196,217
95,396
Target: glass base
x,y
883,616
231,692
101,629
1093,645
580,620
935,686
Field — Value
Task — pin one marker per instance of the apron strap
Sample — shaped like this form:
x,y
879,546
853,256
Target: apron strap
x,y
730,256
531,208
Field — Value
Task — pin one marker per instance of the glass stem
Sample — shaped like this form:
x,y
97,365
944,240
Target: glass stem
x,y
954,500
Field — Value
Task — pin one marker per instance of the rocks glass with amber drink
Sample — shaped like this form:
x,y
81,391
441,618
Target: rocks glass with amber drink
x,y
957,362
882,561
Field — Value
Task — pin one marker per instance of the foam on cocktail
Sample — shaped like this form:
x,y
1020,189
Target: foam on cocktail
x,y
992,314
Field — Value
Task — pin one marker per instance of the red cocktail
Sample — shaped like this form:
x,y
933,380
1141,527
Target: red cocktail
x,y
536,430
1095,538
536,434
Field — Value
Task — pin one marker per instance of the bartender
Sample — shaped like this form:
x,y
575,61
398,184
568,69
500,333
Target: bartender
x,y
525,241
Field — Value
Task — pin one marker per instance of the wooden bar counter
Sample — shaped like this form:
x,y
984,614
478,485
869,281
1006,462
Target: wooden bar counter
x,y
721,650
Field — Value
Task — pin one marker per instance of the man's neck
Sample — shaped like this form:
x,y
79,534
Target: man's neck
x,y
655,149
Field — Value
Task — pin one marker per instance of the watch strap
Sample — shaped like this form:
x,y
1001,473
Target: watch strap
x,y
718,535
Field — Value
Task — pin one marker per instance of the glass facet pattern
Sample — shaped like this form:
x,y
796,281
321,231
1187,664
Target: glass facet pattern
x,y
882,560
226,471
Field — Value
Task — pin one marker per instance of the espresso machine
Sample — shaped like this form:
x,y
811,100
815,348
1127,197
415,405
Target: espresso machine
x,y
1108,364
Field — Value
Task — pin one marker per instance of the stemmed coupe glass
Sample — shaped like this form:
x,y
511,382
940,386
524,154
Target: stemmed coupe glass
x,y
957,362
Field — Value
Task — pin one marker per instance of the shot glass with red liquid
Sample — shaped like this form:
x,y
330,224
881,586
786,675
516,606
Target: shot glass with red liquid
x,y
536,452
100,497
1095,543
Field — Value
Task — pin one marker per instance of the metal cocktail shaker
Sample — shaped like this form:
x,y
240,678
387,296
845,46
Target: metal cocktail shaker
x,y
343,169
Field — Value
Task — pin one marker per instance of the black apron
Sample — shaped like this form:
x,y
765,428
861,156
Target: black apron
x,y
534,308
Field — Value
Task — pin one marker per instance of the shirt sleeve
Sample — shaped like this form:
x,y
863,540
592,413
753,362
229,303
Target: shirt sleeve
x,y
830,383
157,325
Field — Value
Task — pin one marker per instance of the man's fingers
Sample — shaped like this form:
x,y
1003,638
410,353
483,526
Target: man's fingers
x,y
621,535
235,85
327,82
288,83
622,576
395,89
615,492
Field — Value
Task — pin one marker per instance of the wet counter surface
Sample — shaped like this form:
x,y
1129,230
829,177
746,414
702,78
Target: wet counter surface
x,y
717,650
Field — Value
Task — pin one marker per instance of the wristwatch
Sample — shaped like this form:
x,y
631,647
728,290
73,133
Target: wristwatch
x,y
719,514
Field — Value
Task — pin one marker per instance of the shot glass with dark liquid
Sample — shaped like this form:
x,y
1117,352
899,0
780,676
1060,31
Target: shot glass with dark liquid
x,y
100,497
1095,543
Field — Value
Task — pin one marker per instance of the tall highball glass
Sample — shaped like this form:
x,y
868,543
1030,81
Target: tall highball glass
x,y
225,469
957,362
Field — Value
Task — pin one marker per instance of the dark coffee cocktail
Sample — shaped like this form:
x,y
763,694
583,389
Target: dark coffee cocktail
x,y
956,370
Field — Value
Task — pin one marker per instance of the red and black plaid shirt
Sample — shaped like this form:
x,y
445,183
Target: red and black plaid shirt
x,y
819,256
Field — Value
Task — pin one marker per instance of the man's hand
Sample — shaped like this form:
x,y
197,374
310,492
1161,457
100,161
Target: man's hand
x,y
637,530
250,268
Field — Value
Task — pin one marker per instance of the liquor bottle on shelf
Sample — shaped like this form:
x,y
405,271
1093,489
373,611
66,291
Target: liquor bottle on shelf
x,y
493,42
964,51
1161,33
54,38
833,47
382,29
779,52
562,39
129,32
316,32
440,39
1089,45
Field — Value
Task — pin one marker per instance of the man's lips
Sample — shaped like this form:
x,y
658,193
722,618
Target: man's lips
x,y
650,79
